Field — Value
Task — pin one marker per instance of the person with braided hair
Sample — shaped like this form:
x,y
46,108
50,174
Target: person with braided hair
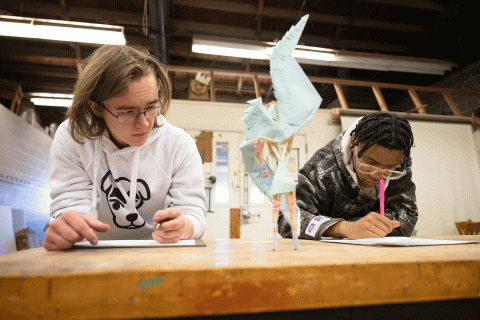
x,y
338,188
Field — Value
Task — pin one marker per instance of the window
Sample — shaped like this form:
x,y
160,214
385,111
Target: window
x,y
255,195
222,192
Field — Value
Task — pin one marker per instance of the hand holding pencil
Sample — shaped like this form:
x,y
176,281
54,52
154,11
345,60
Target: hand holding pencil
x,y
160,222
373,225
170,226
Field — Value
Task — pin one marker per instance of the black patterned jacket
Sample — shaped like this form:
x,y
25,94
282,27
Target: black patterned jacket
x,y
327,192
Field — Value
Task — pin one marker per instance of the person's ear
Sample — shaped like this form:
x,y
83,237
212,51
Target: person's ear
x,y
352,142
95,108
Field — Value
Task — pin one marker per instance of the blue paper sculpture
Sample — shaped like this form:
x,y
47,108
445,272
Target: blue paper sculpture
x,y
274,124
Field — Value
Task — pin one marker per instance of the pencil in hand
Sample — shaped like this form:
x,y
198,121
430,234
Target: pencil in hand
x,y
160,222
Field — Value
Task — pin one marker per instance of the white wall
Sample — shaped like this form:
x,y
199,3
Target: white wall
x,y
24,170
445,159
220,116
7,236
446,172
23,163
320,131
447,175
225,119
206,115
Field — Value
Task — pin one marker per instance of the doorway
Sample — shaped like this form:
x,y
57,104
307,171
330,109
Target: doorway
x,y
233,187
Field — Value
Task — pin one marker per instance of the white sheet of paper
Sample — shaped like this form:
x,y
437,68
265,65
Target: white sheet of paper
x,y
398,241
133,243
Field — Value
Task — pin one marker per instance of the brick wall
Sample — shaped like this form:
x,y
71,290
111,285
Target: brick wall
x,y
466,79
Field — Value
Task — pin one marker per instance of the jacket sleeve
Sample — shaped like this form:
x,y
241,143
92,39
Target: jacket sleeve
x,y
71,187
313,202
400,204
187,186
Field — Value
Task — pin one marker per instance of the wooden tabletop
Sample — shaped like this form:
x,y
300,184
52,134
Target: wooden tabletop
x,y
231,276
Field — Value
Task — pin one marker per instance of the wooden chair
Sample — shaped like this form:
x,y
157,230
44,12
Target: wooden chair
x,y
472,228
462,225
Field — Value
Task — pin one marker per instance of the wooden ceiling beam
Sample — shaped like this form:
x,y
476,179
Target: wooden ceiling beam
x,y
180,49
53,85
33,70
43,60
259,18
228,6
10,45
135,19
124,18
344,82
75,46
414,4
32,8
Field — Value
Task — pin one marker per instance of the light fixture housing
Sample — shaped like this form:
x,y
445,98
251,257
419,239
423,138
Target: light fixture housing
x,y
51,99
320,56
253,49
58,30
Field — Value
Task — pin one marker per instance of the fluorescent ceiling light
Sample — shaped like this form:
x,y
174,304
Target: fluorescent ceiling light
x,y
320,56
314,54
50,95
51,99
231,49
58,30
230,52
255,51
51,102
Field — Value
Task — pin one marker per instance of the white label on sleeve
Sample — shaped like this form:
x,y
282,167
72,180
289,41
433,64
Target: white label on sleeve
x,y
314,224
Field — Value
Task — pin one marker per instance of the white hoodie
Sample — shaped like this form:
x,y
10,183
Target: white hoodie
x,y
94,178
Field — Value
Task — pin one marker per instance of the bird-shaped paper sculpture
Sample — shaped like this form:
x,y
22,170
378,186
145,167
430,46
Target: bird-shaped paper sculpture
x,y
297,100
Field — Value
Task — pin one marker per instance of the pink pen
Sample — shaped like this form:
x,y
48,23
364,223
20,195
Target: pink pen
x,y
382,197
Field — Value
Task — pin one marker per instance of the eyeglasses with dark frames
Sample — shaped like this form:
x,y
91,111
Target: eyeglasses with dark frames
x,y
131,117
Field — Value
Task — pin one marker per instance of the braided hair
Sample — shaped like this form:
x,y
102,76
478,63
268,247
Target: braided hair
x,y
385,129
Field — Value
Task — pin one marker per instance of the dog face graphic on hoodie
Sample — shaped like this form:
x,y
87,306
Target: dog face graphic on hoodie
x,y
117,197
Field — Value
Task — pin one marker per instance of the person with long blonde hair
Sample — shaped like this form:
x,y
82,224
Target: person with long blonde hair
x,y
117,167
